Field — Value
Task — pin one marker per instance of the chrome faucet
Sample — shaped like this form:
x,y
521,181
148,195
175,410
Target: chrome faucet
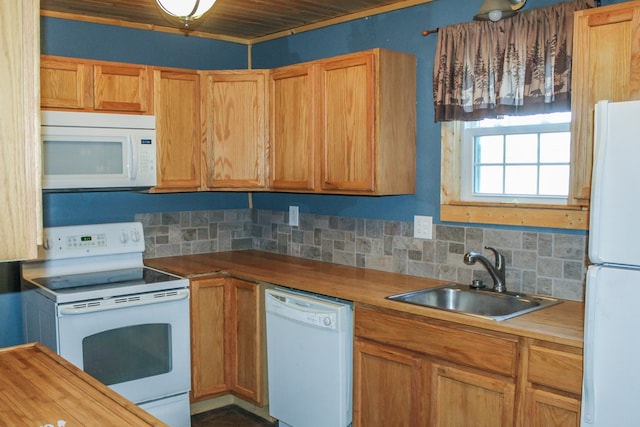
x,y
496,271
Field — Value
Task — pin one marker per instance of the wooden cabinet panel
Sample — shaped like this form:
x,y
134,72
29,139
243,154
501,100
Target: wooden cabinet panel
x,y
293,128
345,125
552,385
177,110
466,346
227,339
98,86
605,66
460,397
65,83
207,338
20,174
555,368
388,386
348,111
245,349
235,115
546,409
121,88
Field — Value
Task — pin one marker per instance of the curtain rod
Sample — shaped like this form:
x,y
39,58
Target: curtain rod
x,y
427,32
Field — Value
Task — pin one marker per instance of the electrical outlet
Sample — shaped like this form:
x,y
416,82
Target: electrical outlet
x,y
294,217
422,227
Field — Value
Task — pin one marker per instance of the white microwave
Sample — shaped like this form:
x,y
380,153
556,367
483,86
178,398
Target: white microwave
x,y
97,151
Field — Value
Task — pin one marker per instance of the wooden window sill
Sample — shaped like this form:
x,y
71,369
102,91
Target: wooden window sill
x,y
547,216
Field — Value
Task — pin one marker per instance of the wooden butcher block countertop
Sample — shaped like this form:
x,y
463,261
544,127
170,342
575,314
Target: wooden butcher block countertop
x,y
562,323
38,387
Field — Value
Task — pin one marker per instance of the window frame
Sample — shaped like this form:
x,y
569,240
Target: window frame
x,y
467,154
454,209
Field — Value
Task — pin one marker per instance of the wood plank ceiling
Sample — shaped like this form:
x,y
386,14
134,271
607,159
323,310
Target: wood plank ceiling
x,y
244,21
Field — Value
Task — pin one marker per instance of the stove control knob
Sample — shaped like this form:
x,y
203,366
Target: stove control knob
x,y
45,245
124,238
135,236
327,321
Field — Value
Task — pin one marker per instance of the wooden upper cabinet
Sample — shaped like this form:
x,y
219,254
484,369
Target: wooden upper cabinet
x,y
293,128
605,66
20,173
95,86
345,125
235,128
65,83
177,110
121,88
348,126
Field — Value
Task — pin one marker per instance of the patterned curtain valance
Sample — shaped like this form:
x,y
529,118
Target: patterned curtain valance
x,y
516,66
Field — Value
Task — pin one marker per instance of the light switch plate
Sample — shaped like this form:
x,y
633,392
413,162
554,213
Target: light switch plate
x,y
294,217
423,227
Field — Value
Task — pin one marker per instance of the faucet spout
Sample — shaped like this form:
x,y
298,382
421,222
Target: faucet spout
x,y
496,270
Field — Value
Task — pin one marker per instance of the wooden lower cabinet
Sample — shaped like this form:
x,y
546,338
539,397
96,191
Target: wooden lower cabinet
x,y
552,385
207,338
388,386
415,371
227,339
461,397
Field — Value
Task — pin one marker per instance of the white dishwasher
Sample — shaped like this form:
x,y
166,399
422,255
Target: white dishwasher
x,y
309,359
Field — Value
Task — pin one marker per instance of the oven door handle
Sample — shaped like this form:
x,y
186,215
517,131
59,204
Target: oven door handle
x,y
123,302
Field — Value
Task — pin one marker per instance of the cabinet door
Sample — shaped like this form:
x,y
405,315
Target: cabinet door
x,y
65,83
348,133
235,129
20,195
548,409
121,88
207,338
460,397
389,386
177,110
605,66
244,355
293,124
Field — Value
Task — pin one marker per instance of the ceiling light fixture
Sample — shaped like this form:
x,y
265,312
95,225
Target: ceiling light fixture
x,y
186,10
495,10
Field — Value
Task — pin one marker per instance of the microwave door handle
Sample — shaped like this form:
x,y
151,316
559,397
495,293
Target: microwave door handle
x,y
133,172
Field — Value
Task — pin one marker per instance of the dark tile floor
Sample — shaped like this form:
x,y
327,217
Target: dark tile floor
x,y
229,416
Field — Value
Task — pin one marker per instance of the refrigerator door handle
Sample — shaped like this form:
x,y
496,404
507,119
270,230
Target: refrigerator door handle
x,y
588,388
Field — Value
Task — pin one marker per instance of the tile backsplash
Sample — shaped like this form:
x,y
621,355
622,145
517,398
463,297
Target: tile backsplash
x,y
543,263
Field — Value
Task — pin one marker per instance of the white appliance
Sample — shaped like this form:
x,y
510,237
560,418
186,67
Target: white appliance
x,y
98,151
91,300
611,379
309,359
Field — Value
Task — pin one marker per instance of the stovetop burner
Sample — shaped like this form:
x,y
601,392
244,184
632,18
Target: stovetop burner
x,y
105,279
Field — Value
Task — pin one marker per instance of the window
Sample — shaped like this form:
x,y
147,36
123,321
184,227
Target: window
x,y
510,171
523,159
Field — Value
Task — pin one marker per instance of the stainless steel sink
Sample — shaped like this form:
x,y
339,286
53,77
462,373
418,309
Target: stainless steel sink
x,y
476,302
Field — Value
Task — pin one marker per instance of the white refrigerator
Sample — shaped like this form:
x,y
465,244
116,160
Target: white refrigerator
x,y
611,381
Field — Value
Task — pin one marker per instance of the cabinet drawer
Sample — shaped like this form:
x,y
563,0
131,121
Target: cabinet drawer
x,y
468,346
555,368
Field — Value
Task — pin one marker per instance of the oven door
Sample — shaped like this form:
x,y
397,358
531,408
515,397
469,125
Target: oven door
x,y
138,344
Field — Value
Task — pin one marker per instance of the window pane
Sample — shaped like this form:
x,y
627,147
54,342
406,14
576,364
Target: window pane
x,y
489,180
521,180
489,149
554,180
522,148
555,147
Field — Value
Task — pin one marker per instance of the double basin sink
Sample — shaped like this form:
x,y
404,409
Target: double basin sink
x,y
476,302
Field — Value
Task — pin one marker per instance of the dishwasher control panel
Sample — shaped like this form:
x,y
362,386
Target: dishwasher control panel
x,y
306,309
